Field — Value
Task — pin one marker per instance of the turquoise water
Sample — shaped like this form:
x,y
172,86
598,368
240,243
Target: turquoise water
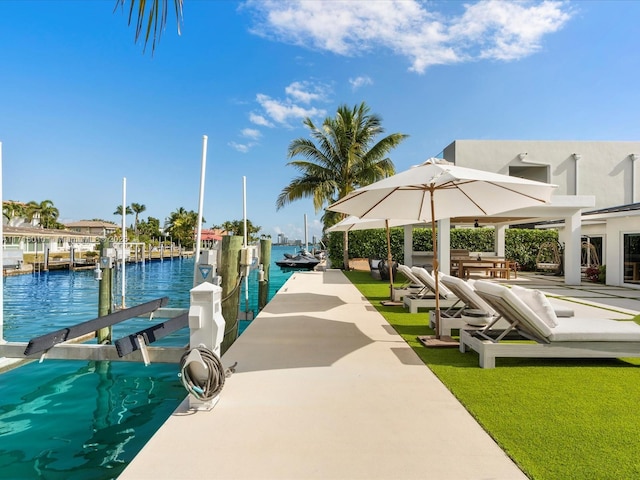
x,y
86,420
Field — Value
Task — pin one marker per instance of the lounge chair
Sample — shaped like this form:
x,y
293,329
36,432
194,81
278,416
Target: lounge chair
x,y
553,337
427,299
476,307
413,286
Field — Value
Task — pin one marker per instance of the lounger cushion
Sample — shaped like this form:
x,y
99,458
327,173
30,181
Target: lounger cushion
x,y
533,321
430,282
595,330
465,292
539,303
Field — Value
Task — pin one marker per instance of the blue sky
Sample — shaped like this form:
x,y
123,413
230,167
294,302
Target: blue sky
x,y
81,105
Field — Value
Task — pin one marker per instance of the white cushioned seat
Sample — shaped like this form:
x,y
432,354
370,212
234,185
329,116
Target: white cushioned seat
x,y
595,330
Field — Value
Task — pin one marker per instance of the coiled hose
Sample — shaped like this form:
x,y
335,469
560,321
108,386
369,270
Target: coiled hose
x,y
216,374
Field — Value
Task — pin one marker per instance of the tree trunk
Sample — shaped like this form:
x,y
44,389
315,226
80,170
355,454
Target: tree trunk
x,y
345,258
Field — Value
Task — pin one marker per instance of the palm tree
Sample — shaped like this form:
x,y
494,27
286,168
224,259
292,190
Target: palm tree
x,y
14,212
155,18
340,157
45,211
118,211
181,225
138,208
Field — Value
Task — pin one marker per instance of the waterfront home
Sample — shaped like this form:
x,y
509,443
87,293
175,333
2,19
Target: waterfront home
x,y
597,198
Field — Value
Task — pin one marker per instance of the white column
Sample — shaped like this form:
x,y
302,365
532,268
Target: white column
x,y
573,228
576,158
499,239
633,157
444,245
408,245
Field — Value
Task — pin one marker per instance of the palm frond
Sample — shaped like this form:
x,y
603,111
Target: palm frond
x,y
156,18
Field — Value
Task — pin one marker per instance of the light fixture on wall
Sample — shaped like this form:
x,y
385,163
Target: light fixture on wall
x,y
522,155
576,156
476,224
633,157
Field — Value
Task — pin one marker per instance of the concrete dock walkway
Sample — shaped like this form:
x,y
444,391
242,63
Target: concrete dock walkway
x,y
324,389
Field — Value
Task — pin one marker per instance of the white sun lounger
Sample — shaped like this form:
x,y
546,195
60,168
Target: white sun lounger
x,y
465,292
555,337
414,286
428,300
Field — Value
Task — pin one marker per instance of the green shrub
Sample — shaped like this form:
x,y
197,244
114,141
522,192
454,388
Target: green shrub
x,y
521,244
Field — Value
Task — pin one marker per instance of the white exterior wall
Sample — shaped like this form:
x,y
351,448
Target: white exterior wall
x,y
605,169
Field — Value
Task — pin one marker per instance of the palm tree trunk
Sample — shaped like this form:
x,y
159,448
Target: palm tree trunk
x,y
345,258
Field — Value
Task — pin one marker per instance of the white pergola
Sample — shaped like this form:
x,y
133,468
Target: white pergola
x,y
567,208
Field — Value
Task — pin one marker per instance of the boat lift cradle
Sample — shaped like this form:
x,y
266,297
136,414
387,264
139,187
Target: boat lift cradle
x,y
133,348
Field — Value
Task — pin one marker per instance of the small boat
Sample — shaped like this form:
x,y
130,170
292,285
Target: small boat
x,y
303,260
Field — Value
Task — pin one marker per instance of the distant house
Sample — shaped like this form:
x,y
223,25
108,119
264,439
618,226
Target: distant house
x,y
97,228
83,236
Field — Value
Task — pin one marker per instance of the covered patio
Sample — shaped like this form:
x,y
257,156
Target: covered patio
x,y
567,208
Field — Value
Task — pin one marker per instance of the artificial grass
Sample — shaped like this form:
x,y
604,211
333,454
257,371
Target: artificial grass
x,y
556,418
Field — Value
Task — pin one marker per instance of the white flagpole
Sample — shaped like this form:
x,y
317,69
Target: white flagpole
x,y
244,240
203,168
124,239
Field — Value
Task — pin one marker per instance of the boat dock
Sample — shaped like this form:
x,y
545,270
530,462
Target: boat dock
x,y
324,388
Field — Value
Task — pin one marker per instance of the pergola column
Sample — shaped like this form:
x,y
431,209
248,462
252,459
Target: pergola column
x,y
499,240
408,245
572,245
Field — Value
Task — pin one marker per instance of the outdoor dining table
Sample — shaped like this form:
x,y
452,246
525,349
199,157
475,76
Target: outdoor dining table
x,y
491,264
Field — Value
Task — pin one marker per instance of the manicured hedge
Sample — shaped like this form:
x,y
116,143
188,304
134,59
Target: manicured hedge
x,y
521,244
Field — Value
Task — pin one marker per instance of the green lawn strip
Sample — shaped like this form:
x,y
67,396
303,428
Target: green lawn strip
x,y
558,419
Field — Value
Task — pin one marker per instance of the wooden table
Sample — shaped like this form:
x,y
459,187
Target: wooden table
x,y
490,265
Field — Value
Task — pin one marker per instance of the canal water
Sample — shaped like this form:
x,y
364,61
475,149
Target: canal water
x,y
73,420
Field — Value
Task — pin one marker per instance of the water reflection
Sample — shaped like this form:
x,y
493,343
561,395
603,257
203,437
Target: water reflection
x,y
85,423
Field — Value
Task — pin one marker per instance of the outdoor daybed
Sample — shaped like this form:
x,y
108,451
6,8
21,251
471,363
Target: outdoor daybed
x,y
554,337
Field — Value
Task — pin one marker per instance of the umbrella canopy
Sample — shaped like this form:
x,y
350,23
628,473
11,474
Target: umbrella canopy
x,y
438,189
355,223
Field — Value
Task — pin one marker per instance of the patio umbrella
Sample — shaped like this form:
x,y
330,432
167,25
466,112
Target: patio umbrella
x,y
457,191
355,223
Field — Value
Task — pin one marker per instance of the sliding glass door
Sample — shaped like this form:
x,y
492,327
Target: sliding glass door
x,y
631,258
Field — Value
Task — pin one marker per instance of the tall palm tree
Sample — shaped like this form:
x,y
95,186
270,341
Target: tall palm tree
x,y
181,225
45,211
137,208
14,212
151,21
118,211
342,155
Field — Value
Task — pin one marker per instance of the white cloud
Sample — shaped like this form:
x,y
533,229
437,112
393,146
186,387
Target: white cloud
x,y
488,29
360,81
282,111
251,133
306,92
241,147
259,120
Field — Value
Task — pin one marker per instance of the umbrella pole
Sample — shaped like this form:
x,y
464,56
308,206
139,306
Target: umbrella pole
x,y
389,260
437,340
434,239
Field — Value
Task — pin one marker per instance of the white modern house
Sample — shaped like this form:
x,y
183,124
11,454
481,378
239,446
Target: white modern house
x,y
598,187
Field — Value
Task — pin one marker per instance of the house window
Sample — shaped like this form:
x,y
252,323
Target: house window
x,y
632,258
